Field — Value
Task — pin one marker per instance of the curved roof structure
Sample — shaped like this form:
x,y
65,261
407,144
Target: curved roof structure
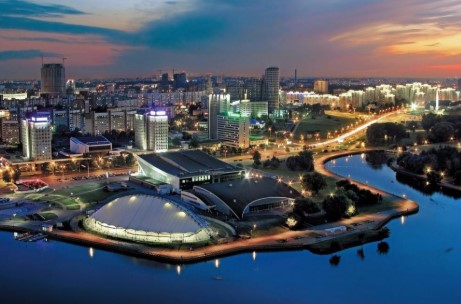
x,y
148,213
238,195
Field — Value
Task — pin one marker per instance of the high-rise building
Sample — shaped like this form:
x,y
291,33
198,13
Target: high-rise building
x,y
236,90
151,130
53,79
321,86
36,136
254,89
271,88
179,80
459,84
217,103
248,108
234,130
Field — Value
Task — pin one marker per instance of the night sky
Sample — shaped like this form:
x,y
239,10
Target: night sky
x,y
330,38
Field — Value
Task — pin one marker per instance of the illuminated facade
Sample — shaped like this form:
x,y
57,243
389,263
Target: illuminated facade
x,y
234,130
36,137
249,108
151,131
217,103
149,219
321,86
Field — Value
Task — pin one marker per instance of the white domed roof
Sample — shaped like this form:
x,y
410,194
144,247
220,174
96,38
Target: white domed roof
x,y
148,213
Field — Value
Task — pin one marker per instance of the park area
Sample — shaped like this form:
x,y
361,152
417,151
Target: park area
x,y
71,198
331,121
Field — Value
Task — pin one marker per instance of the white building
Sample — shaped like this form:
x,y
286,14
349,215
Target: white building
x,y
90,144
249,108
36,137
217,104
151,131
321,86
234,130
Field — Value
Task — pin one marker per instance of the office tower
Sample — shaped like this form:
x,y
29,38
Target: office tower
x,y
36,136
254,89
151,130
208,84
236,90
217,103
321,86
271,88
249,109
53,79
459,84
233,130
179,80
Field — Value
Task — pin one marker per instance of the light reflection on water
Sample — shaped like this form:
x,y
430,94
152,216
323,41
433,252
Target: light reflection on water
x,y
423,247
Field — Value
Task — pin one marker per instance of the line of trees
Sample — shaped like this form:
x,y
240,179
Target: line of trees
x,y
385,133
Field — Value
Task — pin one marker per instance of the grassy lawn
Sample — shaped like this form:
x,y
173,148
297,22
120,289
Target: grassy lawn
x,y
323,124
70,198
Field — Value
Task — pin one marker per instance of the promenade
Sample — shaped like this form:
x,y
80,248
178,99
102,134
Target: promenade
x,y
288,240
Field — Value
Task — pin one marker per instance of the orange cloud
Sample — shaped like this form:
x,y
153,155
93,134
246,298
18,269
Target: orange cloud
x,y
80,50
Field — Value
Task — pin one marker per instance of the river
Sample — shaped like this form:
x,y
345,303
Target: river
x,y
421,266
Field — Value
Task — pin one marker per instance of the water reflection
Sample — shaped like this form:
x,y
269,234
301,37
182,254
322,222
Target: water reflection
x,y
334,260
383,247
178,269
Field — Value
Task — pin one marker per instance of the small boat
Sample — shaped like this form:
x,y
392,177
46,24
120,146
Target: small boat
x,y
217,278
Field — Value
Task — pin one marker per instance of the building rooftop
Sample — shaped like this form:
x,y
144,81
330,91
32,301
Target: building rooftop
x,y
187,162
149,213
238,194
92,140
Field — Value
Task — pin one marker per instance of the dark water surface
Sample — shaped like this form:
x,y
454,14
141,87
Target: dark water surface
x,y
423,265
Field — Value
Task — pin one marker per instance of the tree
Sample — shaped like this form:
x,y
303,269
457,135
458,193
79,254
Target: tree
x,y
256,159
434,177
176,141
45,167
429,120
338,205
314,182
130,160
306,160
303,207
6,176
303,161
457,178
293,221
441,132
16,173
194,143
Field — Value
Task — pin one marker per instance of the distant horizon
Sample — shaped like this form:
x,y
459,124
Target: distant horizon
x,y
351,38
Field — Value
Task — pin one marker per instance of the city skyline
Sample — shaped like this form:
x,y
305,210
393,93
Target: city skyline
x,y
343,38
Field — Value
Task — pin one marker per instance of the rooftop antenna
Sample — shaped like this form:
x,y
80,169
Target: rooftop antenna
x,y
63,60
42,60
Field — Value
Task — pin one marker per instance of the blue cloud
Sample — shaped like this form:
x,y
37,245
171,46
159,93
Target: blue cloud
x,y
28,24
24,54
25,9
40,39
184,31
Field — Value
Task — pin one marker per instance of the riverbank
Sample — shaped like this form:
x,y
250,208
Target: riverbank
x,y
311,239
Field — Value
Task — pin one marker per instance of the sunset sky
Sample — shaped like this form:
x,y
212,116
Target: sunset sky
x,y
330,38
